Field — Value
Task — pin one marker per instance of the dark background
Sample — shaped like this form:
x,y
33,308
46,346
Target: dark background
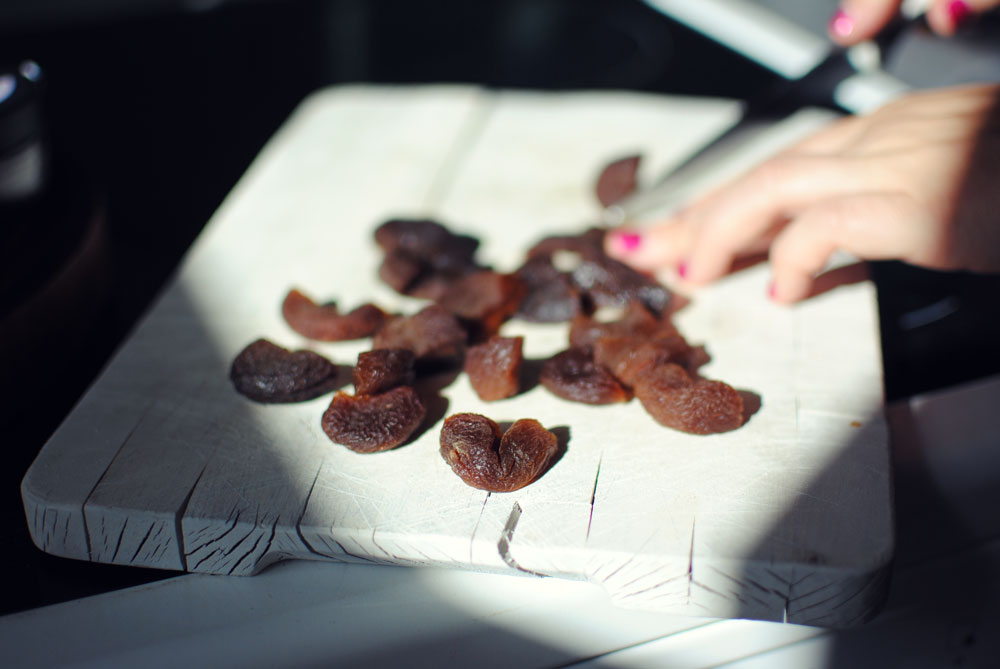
x,y
153,115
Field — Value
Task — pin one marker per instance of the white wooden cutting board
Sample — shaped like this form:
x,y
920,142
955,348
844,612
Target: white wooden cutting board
x,y
163,465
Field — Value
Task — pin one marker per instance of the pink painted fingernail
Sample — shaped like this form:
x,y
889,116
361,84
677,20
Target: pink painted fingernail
x,y
627,241
772,292
958,12
841,24
682,269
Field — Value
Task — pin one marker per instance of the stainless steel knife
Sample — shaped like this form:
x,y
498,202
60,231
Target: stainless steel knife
x,y
815,90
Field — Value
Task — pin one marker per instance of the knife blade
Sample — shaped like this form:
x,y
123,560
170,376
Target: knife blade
x,y
777,104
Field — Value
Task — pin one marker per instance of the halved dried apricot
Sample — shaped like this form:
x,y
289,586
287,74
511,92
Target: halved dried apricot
x,y
700,406
373,423
480,455
324,322
433,334
266,372
573,375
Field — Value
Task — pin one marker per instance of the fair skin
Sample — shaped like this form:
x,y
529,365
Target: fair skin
x,y
918,180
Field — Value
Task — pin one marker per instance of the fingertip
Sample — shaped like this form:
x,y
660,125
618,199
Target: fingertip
x,y
855,21
623,242
651,248
945,17
842,26
789,288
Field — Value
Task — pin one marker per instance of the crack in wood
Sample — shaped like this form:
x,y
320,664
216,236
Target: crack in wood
x,y
179,519
305,508
342,549
652,587
100,479
475,528
507,536
690,571
593,496
618,569
143,542
715,592
253,549
780,579
833,597
121,537
222,552
379,546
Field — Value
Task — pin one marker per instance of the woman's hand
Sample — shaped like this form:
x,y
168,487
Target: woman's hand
x,y
858,20
918,180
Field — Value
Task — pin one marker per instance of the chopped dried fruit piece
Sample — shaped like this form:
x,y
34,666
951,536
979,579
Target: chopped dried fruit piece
x,y
617,180
601,279
494,367
432,333
400,270
423,256
484,300
372,423
432,286
477,452
551,295
266,372
588,244
636,321
382,369
629,356
673,399
610,282
573,375
324,322
429,241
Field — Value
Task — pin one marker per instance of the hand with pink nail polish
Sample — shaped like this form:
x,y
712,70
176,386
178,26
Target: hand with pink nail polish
x,y
858,20
916,181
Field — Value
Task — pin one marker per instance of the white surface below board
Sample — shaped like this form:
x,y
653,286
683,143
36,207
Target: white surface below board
x,y
163,464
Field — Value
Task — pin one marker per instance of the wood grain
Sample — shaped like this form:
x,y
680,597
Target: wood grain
x,y
163,465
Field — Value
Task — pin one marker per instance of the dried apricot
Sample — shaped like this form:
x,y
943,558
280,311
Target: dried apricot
x,y
494,367
429,241
608,282
382,369
372,423
587,244
629,356
673,399
266,372
551,296
433,334
324,322
636,321
573,375
617,179
484,458
400,271
484,300
423,256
